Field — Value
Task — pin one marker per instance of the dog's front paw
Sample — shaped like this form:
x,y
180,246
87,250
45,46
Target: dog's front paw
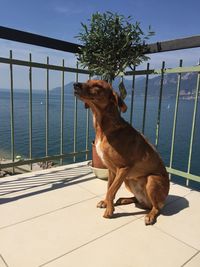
x,y
149,219
108,212
102,204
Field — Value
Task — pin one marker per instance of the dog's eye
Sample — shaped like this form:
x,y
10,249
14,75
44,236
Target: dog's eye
x,y
95,90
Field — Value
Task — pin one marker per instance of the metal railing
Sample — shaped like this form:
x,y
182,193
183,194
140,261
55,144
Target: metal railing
x,y
47,67
161,72
19,36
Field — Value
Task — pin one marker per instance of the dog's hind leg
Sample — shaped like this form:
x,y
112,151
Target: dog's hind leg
x,y
126,201
157,188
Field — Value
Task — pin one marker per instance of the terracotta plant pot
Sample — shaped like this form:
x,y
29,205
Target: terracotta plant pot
x,y
97,166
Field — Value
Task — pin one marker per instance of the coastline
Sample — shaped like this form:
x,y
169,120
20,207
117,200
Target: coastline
x,y
5,158
4,155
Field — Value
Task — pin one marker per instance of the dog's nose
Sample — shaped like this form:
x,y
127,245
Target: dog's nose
x,y
77,85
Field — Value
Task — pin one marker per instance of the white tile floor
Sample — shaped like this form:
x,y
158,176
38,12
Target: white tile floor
x,y
49,218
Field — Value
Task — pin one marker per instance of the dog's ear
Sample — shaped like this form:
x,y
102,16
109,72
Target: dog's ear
x,y
120,102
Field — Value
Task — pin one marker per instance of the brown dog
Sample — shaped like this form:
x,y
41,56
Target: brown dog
x,y
129,157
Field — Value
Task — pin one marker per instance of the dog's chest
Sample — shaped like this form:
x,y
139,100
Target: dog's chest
x,y
99,150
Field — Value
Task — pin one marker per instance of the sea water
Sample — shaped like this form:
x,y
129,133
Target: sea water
x,y
21,126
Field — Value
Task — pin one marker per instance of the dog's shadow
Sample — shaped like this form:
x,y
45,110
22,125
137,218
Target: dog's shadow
x,y
174,205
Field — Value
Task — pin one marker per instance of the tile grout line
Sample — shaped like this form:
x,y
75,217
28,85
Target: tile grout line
x,y
190,258
89,242
56,210
100,196
120,207
1,257
174,237
161,230
82,187
46,213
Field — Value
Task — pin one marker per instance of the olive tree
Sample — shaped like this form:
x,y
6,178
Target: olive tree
x,y
111,43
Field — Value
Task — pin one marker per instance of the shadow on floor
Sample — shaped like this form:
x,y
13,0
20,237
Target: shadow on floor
x,y
31,186
174,205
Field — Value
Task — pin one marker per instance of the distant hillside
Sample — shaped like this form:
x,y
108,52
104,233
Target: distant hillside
x,y
68,89
188,85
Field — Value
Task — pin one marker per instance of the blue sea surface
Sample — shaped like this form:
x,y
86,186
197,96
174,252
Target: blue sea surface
x,y
21,126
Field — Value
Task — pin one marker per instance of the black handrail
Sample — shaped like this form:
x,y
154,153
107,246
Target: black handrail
x,y
176,44
39,40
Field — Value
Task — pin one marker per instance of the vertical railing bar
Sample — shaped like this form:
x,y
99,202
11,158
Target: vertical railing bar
x,y
30,112
193,125
145,98
62,113
132,97
75,116
87,132
175,116
12,113
87,129
159,105
47,109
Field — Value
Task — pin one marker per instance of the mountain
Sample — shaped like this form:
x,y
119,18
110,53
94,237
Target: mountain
x,y
187,86
68,89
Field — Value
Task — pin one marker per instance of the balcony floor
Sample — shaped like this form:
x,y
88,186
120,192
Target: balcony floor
x,y
49,218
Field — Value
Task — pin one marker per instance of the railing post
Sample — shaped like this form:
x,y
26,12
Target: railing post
x,y
12,126
75,116
159,104
193,124
87,129
62,113
30,111
132,97
145,98
175,116
47,110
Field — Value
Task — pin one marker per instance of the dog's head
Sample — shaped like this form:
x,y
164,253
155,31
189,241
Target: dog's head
x,y
98,93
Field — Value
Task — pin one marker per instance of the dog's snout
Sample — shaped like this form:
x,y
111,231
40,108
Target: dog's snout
x,y
77,85
78,89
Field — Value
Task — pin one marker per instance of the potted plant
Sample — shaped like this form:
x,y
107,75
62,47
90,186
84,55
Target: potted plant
x,y
112,43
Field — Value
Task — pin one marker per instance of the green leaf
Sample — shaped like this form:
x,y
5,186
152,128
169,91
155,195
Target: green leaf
x,y
111,42
122,90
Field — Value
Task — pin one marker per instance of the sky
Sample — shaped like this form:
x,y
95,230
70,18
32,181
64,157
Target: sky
x,y
62,20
